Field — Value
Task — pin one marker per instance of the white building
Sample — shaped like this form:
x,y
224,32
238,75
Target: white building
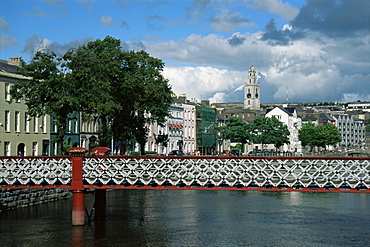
x,y
252,91
363,106
289,117
189,128
352,131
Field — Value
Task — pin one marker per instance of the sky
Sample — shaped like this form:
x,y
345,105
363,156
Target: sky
x,y
302,50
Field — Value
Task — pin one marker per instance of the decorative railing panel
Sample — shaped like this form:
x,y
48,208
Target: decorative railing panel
x,y
231,173
34,172
241,173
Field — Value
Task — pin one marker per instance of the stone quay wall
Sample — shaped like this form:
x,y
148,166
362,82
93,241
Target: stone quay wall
x,y
15,198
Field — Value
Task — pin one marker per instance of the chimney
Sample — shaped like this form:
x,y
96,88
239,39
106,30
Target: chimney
x,y
15,61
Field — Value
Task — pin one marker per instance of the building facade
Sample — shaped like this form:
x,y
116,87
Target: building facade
x,y
20,134
289,117
252,91
352,131
189,128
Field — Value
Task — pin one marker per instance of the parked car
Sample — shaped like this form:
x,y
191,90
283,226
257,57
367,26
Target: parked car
x,y
176,153
226,152
236,152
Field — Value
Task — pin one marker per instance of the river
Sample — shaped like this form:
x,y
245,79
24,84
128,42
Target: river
x,y
197,218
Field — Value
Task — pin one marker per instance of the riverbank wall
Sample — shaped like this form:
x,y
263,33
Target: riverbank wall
x,y
13,198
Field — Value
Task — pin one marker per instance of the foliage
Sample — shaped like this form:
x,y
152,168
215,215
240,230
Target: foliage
x,y
319,136
306,134
65,146
263,130
269,131
125,90
235,129
48,91
367,125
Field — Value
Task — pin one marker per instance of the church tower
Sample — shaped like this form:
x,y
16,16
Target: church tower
x,y
252,91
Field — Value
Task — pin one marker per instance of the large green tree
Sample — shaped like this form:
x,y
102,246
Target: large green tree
x,y
97,67
150,96
125,90
269,131
47,91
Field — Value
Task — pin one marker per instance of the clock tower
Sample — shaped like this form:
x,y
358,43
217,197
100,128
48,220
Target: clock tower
x,y
252,91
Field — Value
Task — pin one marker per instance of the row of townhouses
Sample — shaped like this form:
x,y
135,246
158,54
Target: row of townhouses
x,y
190,127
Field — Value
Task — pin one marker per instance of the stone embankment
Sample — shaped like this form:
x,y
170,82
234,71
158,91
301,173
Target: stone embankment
x,y
13,198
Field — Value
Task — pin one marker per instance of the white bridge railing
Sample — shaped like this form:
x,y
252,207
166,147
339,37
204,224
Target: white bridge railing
x,y
191,172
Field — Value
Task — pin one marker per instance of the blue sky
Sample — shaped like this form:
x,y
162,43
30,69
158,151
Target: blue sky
x,y
314,50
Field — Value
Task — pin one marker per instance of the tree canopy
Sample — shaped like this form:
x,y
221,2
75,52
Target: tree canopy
x,y
269,131
263,130
125,90
319,136
235,129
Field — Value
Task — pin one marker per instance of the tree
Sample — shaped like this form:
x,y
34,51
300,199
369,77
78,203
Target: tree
x,y
151,92
319,136
47,91
306,134
97,67
331,134
125,90
367,125
235,129
269,131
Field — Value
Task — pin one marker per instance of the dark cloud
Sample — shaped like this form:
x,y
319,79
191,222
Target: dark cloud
x,y
334,17
198,7
236,40
123,24
275,36
36,43
132,45
152,22
229,21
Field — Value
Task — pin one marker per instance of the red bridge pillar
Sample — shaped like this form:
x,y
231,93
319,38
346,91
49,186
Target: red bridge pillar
x,y
78,208
78,204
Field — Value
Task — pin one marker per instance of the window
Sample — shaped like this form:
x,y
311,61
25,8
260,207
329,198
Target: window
x,y
44,124
7,121
7,148
34,148
16,122
26,122
35,123
7,92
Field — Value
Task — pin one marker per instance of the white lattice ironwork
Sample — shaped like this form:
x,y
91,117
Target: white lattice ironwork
x,y
35,171
124,171
263,172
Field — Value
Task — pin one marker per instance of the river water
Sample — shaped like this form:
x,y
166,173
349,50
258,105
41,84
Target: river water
x,y
197,218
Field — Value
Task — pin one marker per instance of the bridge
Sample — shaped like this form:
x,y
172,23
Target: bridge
x,y
77,174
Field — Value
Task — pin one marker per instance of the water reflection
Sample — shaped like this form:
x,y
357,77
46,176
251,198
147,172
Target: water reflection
x,y
198,218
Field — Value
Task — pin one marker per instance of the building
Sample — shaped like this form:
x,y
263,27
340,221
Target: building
x,y
289,117
252,91
20,134
206,136
352,131
362,106
189,127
